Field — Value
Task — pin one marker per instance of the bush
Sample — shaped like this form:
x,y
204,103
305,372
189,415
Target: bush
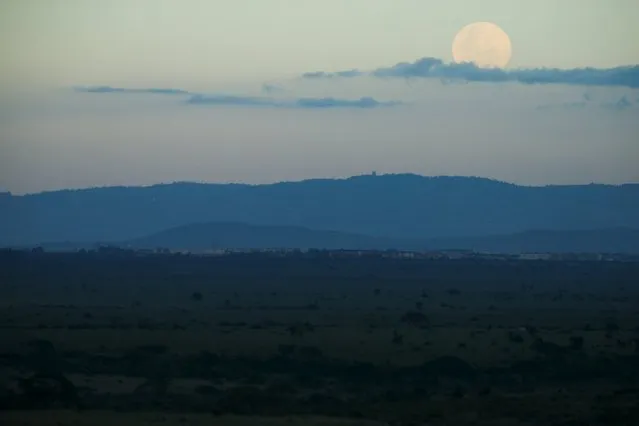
x,y
415,318
515,337
576,342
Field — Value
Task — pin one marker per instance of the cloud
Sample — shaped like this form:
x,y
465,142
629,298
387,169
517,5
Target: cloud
x,y
232,100
251,101
272,88
624,76
110,89
424,67
303,103
345,74
365,102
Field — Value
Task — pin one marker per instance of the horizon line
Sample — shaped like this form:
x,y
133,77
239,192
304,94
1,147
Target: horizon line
x,y
280,182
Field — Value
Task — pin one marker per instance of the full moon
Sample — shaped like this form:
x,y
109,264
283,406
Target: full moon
x,y
484,44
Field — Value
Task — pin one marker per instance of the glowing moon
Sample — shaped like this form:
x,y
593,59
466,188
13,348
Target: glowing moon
x,y
484,44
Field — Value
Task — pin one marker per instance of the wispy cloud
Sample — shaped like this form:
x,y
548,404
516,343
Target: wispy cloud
x,y
365,102
110,89
624,76
232,100
303,103
345,74
269,88
250,101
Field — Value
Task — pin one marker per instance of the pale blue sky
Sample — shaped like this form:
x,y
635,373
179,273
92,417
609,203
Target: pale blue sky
x,y
194,42
52,137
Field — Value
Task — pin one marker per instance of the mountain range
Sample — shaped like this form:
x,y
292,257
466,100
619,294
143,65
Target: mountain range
x,y
367,211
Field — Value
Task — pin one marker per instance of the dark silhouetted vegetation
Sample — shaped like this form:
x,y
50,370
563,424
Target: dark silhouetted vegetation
x,y
367,338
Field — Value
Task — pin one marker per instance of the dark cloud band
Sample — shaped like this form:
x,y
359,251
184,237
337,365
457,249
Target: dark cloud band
x,y
110,89
249,101
625,76
300,103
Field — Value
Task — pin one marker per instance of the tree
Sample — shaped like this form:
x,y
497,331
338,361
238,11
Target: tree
x,y
398,339
515,337
48,385
576,342
44,357
416,319
612,326
299,329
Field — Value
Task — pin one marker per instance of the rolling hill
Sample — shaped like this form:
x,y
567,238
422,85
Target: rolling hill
x,y
386,206
205,236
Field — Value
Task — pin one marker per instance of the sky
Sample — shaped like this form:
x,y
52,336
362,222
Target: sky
x,y
136,92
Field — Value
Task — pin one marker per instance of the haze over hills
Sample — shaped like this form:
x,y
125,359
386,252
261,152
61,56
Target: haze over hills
x,y
396,207
203,237
206,236
199,237
611,240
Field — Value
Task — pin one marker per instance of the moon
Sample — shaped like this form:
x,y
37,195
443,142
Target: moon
x,y
484,44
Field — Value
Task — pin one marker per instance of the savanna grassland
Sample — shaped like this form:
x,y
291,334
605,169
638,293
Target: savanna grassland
x,y
118,338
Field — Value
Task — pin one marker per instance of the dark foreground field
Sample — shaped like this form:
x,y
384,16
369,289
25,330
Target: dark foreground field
x,y
96,339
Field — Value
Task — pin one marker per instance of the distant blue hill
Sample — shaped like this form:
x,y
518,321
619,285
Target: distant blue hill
x,y
206,236
403,206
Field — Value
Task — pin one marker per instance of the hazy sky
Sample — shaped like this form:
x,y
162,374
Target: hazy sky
x,y
52,136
